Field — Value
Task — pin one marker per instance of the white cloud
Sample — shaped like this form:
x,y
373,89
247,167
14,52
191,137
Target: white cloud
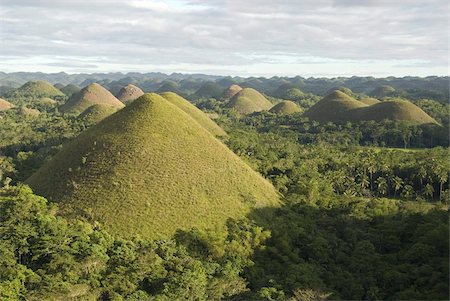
x,y
221,34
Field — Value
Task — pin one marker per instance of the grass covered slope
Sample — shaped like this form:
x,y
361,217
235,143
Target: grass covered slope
x,y
129,93
331,107
88,96
285,107
96,113
70,89
36,89
150,169
249,100
194,112
393,110
5,105
382,91
208,90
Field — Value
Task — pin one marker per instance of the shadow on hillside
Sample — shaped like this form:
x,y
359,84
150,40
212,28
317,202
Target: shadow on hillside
x,y
351,255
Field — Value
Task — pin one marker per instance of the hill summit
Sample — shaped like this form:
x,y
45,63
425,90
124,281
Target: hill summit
x,y
230,92
129,93
36,89
150,169
249,100
88,96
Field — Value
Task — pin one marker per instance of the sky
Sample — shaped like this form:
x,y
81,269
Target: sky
x,y
321,38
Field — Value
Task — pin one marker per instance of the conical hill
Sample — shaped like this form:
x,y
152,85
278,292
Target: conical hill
x,y
285,107
129,93
88,96
150,169
249,100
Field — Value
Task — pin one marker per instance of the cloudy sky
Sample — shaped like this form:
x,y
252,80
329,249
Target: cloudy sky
x,y
234,37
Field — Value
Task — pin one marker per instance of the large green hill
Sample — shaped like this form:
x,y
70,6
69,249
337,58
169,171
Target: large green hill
x,y
129,93
331,107
249,100
209,90
36,89
194,112
150,169
339,107
88,96
70,89
96,113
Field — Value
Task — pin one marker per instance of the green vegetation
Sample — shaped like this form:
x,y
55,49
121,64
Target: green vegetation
x,y
195,113
247,101
129,93
88,96
361,213
285,107
36,89
209,89
157,172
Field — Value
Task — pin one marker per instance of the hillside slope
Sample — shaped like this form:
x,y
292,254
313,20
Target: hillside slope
x,y
247,101
129,93
285,107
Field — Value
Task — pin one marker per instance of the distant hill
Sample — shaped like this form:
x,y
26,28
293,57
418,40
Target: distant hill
x,y
129,93
247,101
369,101
70,89
289,91
339,107
169,86
331,107
194,112
36,89
5,105
285,107
343,89
393,110
209,90
230,92
382,91
96,113
88,96
148,170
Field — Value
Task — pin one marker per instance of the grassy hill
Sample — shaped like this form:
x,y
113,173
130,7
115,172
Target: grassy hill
x,y
150,169
382,91
5,105
343,89
129,93
339,107
331,107
369,101
285,107
88,96
393,110
209,90
96,113
36,89
230,92
289,91
70,89
194,112
169,86
247,101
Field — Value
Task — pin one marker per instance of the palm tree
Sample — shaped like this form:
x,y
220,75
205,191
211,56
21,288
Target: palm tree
x,y
408,191
398,183
382,185
428,191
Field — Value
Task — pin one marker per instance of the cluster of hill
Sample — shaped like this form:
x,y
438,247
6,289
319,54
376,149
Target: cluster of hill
x,y
151,168
201,85
340,107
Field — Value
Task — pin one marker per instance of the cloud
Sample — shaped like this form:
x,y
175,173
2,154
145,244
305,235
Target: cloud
x,y
218,34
